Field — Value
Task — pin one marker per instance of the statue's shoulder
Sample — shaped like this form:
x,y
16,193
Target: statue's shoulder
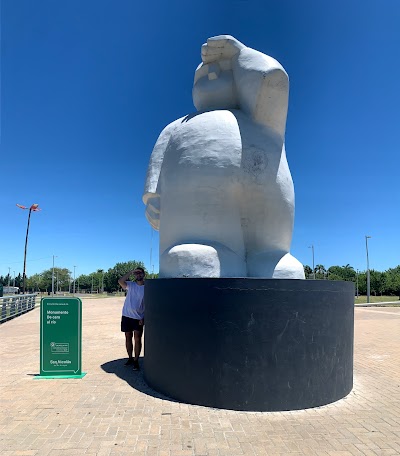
x,y
166,133
204,120
253,60
172,126
211,115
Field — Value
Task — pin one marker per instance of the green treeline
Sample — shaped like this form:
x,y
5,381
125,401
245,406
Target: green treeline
x,y
385,283
382,283
98,282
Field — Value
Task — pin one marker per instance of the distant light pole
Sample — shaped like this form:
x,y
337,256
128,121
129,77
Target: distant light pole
x,y
357,282
151,246
52,277
368,276
313,265
9,273
14,279
34,208
74,282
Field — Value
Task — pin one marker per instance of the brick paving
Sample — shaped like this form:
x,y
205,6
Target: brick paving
x,y
112,411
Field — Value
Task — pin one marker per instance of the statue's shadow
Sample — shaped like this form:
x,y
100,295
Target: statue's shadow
x,y
135,379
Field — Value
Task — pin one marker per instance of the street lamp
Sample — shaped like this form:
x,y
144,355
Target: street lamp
x,y
14,279
368,276
34,208
74,282
9,270
357,282
313,265
52,277
151,246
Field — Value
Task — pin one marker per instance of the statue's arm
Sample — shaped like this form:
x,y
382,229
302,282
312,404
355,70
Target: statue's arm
x,y
263,88
261,83
151,195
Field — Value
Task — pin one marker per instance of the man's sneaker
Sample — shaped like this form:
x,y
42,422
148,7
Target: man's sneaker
x,y
136,365
130,362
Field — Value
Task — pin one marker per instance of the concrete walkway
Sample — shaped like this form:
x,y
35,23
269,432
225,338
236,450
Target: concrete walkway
x,y
378,304
112,411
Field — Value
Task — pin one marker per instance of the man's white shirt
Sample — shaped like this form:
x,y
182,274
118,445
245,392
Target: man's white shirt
x,y
134,301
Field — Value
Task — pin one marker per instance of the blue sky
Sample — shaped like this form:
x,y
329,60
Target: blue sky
x,y
86,88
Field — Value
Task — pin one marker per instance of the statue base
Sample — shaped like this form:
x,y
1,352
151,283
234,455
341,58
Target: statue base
x,y
250,344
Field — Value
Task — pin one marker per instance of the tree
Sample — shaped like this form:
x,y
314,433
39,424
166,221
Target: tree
x,y
113,274
107,281
85,282
333,276
44,281
377,282
346,272
18,280
152,275
93,282
392,281
307,271
362,283
320,271
34,282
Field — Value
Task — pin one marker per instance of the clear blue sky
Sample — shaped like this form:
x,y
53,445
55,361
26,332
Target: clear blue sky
x,y
86,87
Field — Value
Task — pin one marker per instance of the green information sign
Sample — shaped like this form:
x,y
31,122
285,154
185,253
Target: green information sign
x,y
61,338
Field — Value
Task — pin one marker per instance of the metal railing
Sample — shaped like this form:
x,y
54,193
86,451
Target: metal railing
x,y
12,306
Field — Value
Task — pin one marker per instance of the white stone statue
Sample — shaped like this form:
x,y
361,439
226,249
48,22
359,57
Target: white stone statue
x,y
218,185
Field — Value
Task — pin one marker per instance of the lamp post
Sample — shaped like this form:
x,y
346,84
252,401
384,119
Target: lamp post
x,y
368,276
34,208
313,265
9,269
151,246
14,279
74,282
357,282
52,277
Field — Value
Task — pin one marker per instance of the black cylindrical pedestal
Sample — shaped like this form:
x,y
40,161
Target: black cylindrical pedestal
x,y
250,344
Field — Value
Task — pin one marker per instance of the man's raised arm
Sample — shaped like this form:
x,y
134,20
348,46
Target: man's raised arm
x,y
122,281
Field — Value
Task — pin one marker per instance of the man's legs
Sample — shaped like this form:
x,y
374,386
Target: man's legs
x,y
129,343
138,343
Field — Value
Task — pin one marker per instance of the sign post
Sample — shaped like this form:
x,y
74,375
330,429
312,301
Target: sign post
x,y
61,338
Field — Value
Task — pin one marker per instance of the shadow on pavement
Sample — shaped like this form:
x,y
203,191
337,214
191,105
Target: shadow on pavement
x,y
135,379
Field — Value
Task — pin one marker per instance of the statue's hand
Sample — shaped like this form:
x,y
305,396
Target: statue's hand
x,y
221,47
153,211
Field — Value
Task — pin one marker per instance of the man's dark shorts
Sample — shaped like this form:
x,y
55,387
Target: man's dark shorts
x,y
130,324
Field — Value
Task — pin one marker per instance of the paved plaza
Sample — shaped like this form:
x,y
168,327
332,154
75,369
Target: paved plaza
x,y
111,411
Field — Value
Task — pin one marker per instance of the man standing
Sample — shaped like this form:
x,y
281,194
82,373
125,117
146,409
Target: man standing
x,y
132,321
